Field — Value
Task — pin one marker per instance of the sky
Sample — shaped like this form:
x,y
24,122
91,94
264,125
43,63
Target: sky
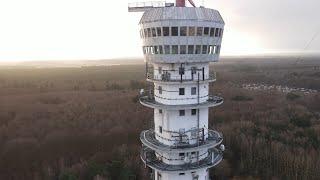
x,y
103,29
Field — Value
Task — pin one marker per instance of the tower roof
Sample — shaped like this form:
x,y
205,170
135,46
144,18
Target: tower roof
x,y
181,13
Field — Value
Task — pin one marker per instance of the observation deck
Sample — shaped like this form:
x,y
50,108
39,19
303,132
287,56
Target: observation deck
x,y
163,78
148,139
150,159
212,101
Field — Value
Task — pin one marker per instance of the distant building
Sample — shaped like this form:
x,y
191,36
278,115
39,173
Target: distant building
x,y
178,44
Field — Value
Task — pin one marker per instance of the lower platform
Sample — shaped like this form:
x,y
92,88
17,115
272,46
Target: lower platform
x,y
149,158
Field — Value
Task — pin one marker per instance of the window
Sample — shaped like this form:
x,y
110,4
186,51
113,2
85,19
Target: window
x,y
160,111
154,34
204,49
212,32
210,49
160,70
181,174
181,91
193,153
192,31
160,129
145,33
149,32
159,31
183,31
183,49
160,89
144,49
216,34
190,49
199,31
193,112
166,31
218,49
151,50
181,154
156,49
175,49
198,49
167,49
160,50
193,90
182,112
220,33
174,31
206,31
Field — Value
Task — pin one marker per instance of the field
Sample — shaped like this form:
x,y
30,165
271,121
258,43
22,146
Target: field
x,y
83,121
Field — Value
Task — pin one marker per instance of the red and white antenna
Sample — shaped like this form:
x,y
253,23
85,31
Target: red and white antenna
x,y
182,3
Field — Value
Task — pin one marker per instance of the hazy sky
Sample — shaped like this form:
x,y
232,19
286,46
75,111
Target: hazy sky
x,y
99,29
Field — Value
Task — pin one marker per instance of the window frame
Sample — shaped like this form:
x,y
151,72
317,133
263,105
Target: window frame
x,y
166,31
175,49
199,31
182,91
183,49
174,31
159,31
191,31
193,112
183,31
193,90
193,49
204,31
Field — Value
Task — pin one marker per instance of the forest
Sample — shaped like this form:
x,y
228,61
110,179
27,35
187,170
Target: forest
x,y
83,123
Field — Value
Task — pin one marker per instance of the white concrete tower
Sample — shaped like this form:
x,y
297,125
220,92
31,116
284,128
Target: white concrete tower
x,y
178,44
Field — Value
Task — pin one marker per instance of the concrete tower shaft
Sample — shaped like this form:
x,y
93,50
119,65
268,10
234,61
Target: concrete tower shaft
x,y
178,44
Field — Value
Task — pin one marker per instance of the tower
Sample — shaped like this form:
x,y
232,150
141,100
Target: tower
x,y
179,42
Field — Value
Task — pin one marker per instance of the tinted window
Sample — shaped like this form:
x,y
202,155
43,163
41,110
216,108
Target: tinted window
x,y
204,49
198,49
192,31
166,31
160,50
174,31
175,49
190,49
159,31
181,91
154,34
182,113
216,34
156,49
212,32
183,31
167,49
145,33
206,31
199,31
193,90
193,112
149,32
183,49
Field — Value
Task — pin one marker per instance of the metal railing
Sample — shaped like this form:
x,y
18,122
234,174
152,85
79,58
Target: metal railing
x,y
178,78
181,139
148,156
